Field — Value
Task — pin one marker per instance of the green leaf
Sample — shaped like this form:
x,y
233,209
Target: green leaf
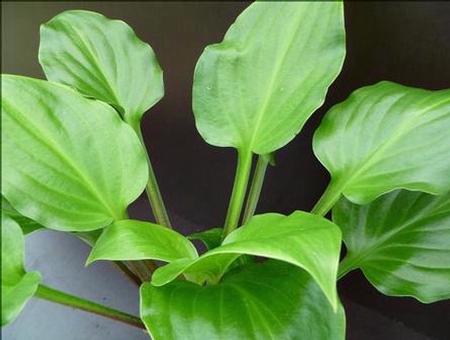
x,y
385,137
27,225
18,286
103,59
273,300
305,240
137,240
68,162
256,89
211,238
401,243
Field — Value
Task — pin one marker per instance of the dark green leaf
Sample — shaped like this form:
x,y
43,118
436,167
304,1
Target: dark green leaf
x,y
103,59
256,89
305,240
18,286
401,242
273,300
211,238
69,163
137,240
27,225
385,137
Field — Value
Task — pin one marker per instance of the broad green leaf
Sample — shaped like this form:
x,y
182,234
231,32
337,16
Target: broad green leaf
x,y
137,240
256,89
27,225
18,286
385,137
273,300
68,162
305,240
102,58
211,238
401,242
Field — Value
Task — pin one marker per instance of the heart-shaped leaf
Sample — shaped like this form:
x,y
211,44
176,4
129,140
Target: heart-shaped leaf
x,y
385,137
102,58
18,286
137,240
401,242
273,300
256,89
68,162
305,240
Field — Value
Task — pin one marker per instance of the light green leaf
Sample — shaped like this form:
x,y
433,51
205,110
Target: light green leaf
x,y
256,89
68,162
273,300
385,137
102,58
401,241
18,286
27,225
137,240
211,238
305,240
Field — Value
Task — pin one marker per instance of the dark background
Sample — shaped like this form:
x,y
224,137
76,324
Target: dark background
x,y
405,42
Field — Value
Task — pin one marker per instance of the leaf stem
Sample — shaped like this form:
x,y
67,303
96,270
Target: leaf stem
x,y
328,199
255,188
53,295
152,189
244,164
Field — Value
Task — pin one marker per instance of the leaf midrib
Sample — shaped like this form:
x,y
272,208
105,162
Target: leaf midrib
x,y
37,133
371,158
364,255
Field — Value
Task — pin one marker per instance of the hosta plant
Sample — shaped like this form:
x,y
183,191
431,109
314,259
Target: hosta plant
x,y
73,160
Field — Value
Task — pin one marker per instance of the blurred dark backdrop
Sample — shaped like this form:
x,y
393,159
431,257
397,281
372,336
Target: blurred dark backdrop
x,y
405,42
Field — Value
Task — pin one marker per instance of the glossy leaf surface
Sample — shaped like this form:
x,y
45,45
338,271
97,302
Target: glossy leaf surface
x,y
274,300
18,286
305,240
401,241
69,163
385,137
102,58
137,240
256,89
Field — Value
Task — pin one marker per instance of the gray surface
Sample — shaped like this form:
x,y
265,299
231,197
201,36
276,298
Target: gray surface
x,y
60,258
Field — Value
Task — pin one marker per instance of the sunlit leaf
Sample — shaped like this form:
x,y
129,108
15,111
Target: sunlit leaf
x,y
256,89
305,240
102,58
385,137
68,163
137,240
